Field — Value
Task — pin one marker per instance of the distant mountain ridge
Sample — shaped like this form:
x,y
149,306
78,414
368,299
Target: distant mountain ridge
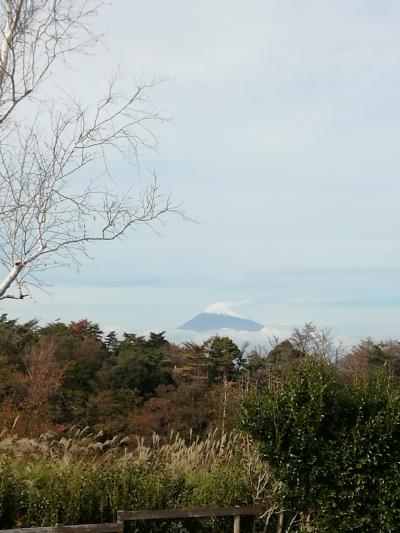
x,y
215,321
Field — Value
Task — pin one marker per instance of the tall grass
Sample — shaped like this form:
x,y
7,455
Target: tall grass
x,y
81,479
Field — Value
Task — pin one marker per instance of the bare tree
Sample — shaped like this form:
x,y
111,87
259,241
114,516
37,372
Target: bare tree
x,y
316,342
57,194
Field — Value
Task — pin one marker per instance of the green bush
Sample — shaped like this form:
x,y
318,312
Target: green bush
x,y
8,493
334,442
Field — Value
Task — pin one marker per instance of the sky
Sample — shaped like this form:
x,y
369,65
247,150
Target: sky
x,y
283,146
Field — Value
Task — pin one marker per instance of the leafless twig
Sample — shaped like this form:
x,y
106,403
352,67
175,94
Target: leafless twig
x,y
50,207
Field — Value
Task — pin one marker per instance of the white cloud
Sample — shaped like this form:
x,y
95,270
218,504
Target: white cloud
x,y
226,308
221,308
253,338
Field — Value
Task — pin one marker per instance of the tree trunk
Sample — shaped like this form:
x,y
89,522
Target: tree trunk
x,y
5,44
10,278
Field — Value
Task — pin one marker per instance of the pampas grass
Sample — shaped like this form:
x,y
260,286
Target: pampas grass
x,y
81,478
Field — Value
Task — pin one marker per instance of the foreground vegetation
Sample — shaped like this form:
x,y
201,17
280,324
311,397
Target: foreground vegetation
x,y
333,440
80,479
307,430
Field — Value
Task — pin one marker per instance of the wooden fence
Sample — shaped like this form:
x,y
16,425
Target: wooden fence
x,y
167,514
192,512
118,527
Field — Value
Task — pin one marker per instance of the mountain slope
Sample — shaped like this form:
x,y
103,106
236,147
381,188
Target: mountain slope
x,y
215,321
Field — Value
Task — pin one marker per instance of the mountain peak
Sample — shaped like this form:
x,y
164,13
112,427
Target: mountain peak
x,y
219,316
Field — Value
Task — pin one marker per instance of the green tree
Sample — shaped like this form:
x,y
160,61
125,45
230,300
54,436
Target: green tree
x,y
283,355
224,358
79,350
111,342
16,338
142,364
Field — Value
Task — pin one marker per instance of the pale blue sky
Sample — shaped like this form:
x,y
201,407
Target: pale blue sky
x,y
285,145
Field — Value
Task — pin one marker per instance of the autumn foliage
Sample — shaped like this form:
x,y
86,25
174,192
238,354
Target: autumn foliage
x,y
63,375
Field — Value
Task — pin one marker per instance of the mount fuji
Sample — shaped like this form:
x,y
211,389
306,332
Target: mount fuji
x,y
218,316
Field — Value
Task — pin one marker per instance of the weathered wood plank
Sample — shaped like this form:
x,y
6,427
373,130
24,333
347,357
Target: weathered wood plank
x,y
85,528
190,512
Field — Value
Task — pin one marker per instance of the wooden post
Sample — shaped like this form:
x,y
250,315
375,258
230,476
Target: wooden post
x,y
236,524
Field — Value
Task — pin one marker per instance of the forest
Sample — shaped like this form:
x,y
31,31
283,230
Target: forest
x,y
95,422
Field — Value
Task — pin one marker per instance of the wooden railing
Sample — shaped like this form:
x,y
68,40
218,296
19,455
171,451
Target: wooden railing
x,y
118,527
192,512
166,514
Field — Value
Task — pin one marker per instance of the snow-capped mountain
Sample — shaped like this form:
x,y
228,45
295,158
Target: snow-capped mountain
x,y
218,316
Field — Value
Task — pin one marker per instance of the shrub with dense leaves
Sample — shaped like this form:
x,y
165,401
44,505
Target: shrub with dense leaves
x,y
334,442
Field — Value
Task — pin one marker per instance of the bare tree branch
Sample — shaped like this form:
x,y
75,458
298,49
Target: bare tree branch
x,y
35,33
56,195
